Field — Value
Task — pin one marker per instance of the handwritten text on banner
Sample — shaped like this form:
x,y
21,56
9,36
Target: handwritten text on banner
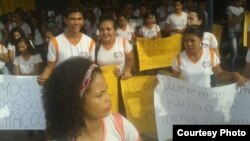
x,y
178,102
20,103
157,53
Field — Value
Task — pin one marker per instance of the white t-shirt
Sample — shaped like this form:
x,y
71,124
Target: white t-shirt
x,y
199,72
177,22
115,55
111,133
234,10
27,66
149,33
133,23
65,50
127,33
38,40
3,50
209,40
162,11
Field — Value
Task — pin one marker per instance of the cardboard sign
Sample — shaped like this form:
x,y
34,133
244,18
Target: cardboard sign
x,y
157,53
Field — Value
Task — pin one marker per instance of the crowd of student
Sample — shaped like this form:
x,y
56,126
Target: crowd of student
x,y
103,36
169,18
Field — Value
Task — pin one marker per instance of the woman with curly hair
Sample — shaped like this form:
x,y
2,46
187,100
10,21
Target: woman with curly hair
x,y
77,105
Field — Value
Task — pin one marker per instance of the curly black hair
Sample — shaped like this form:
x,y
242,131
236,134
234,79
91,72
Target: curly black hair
x,y
61,99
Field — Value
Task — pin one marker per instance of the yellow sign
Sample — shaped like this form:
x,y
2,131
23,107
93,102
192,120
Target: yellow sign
x,y
138,96
112,82
246,23
10,5
217,31
157,53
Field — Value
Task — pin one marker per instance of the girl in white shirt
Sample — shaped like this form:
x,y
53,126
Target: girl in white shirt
x,y
196,17
124,29
150,29
114,50
26,62
14,35
176,21
196,64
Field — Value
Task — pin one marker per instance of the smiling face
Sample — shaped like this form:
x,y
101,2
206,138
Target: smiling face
x,y
107,30
74,21
97,102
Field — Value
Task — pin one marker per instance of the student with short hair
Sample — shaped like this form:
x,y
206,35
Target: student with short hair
x,y
68,44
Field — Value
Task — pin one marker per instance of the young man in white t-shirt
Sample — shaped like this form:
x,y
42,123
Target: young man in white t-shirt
x,y
68,44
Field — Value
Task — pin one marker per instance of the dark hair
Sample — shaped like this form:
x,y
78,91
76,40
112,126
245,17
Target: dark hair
x,y
73,9
122,15
193,29
30,48
180,1
108,18
12,31
61,99
146,16
201,17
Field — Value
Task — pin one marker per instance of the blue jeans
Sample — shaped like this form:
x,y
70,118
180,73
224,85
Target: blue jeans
x,y
234,36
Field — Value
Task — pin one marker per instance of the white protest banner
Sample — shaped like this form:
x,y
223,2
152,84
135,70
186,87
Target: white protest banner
x,y
178,102
20,103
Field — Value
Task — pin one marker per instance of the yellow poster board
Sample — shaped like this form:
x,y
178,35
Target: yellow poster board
x,y
157,53
217,31
10,5
112,83
246,23
138,96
